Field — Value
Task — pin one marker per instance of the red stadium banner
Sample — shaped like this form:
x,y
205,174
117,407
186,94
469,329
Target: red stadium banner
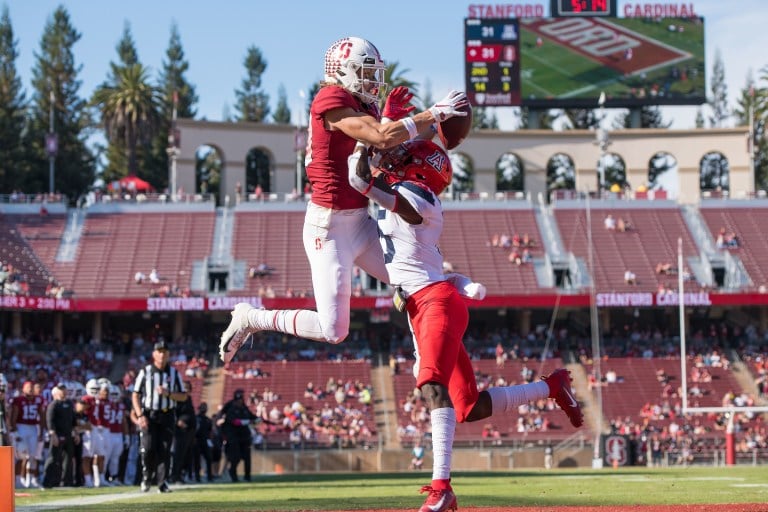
x,y
542,301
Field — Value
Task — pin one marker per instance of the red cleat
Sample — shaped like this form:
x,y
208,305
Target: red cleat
x,y
559,382
438,501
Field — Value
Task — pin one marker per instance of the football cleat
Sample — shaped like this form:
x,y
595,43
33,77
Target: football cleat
x,y
236,333
559,382
438,500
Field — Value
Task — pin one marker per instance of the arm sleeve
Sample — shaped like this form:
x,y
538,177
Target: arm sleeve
x,y
49,414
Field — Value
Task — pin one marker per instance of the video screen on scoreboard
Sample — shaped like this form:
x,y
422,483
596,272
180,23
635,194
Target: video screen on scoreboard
x,y
568,62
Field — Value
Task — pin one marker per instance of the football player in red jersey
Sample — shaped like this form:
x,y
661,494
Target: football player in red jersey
x,y
338,232
418,171
26,425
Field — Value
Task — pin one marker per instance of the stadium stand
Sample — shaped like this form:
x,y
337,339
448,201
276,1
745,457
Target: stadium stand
x,y
651,239
465,243
274,238
114,246
748,222
21,237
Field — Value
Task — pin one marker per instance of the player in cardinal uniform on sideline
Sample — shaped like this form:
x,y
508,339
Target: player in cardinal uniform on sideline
x,y
117,425
26,425
414,174
338,232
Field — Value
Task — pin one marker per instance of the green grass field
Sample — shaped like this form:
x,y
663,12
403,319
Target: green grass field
x,y
365,491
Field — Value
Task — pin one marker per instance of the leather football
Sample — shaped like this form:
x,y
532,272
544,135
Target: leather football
x,y
454,130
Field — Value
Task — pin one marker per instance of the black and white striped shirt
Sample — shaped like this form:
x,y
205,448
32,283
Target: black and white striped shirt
x,y
146,384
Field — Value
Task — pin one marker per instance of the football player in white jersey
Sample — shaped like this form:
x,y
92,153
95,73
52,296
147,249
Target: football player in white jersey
x,y
412,176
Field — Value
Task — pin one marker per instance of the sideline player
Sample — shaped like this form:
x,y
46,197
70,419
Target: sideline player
x,y
25,427
418,171
338,232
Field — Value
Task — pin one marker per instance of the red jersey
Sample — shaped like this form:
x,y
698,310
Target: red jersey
x,y
328,151
95,411
30,408
115,412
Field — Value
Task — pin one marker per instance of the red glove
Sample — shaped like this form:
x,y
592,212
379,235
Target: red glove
x,y
397,105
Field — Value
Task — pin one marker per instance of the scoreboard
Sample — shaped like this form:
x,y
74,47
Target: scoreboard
x,y
492,61
565,8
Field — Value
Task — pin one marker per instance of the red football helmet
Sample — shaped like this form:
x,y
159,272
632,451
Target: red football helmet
x,y
419,161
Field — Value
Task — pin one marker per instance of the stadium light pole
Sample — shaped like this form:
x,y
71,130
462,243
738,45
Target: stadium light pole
x,y
300,141
51,144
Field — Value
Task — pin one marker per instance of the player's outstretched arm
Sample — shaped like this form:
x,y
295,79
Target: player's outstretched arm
x,y
361,179
371,132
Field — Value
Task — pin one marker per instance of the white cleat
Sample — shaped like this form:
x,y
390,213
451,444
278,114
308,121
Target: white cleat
x,y
236,333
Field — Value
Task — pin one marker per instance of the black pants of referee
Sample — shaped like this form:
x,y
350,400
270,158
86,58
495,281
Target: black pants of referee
x,y
155,444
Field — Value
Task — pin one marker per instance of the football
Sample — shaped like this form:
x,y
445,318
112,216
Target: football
x,y
454,130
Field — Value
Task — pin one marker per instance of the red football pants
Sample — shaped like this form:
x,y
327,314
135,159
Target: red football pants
x,y
439,319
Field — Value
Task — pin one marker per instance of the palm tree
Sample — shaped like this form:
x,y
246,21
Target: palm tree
x,y
130,110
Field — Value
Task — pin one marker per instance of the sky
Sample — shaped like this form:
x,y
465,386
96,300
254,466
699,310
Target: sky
x,y
425,37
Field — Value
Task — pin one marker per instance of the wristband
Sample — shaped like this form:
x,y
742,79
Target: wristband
x,y
410,125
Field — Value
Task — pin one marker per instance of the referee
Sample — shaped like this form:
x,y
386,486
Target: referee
x,y
155,392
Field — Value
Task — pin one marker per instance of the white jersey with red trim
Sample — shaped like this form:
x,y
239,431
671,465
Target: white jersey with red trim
x,y
418,262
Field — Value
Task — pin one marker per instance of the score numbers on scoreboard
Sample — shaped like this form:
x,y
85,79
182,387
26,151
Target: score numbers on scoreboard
x,y
566,8
491,61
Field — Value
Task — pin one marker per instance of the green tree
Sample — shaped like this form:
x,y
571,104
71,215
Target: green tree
x,y
282,113
179,100
581,118
650,117
130,111
252,101
718,102
13,162
115,153
482,118
55,77
751,111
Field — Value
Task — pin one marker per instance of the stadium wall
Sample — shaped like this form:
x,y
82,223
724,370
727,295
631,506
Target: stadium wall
x,y
373,461
484,148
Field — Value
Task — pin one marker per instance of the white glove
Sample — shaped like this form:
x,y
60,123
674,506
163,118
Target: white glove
x,y
465,286
449,106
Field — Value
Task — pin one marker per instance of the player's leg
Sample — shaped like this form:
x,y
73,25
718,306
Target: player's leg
x,y
328,249
438,325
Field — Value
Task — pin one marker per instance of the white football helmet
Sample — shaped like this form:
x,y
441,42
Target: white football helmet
x,y
114,393
92,387
78,390
356,65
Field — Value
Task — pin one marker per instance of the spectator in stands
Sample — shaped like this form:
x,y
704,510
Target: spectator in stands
x,y
515,257
417,456
154,278
609,222
623,225
525,257
630,277
261,270
357,282
665,269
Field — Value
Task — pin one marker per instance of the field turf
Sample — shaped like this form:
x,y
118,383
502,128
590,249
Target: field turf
x,y
615,490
